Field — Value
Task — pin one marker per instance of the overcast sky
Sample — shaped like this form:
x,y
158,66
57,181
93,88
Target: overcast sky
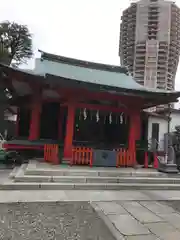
x,y
83,29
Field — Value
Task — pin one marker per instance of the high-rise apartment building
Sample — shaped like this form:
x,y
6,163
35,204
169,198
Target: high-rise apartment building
x,y
150,42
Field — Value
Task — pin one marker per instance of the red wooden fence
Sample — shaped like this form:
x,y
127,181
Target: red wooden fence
x,y
82,156
51,153
125,158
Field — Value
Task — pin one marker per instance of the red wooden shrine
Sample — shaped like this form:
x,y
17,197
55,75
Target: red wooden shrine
x,y
75,84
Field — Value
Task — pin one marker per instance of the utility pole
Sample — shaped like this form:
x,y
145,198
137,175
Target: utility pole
x,y
168,132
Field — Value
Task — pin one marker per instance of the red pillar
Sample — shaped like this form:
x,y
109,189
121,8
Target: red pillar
x,y
137,121
17,122
35,119
134,133
60,122
69,132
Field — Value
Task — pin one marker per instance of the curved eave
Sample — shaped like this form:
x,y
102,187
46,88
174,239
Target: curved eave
x,y
109,89
149,98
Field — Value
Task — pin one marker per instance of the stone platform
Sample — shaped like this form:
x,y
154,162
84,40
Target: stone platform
x,y
43,176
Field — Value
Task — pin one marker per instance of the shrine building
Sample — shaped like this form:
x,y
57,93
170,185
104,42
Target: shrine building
x,y
80,107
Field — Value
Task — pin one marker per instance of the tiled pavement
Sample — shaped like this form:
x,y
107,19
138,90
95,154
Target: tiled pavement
x,y
136,220
130,215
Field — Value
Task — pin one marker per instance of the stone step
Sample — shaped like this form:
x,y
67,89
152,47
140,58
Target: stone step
x,y
93,173
87,186
95,179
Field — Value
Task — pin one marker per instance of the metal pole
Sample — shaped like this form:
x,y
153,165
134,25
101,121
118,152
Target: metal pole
x,y
168,131
169,115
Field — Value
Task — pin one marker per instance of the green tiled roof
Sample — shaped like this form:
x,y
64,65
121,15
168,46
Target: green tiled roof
x,y
82,71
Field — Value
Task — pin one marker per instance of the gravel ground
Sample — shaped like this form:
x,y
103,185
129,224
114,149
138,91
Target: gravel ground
x,y
51,221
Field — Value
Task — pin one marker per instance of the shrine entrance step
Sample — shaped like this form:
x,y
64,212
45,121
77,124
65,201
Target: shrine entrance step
x,y
45,169
40,176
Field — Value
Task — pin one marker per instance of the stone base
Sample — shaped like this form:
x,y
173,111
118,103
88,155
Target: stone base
x,y
168,168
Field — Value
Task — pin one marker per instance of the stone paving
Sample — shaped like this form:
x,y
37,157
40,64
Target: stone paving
x,y
136,220
121,220
87,195
69,214
129,215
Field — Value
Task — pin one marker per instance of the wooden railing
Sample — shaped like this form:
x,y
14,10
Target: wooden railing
x,y
51,153
125,157
155,161
82,156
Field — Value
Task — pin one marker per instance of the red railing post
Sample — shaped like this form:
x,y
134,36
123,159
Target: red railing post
x,y
91,158
146,160
155,161
55,154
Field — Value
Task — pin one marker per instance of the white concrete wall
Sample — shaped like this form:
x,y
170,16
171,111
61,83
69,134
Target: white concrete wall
x,y
163,126
175,121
